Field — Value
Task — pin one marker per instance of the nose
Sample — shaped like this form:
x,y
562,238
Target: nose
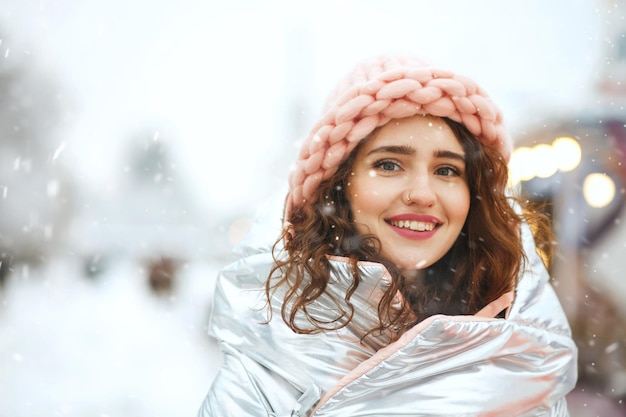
x,y
420,192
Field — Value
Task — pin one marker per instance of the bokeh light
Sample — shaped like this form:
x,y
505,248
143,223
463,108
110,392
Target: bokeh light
x,y
567,152
520,166
598,190
544,160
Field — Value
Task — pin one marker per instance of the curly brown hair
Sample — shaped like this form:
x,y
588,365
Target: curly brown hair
x,y
482,264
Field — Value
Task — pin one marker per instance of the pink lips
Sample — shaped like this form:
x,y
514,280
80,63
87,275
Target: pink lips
x,y
414,234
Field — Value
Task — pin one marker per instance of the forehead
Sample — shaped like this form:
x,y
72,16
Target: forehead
x,y
416,131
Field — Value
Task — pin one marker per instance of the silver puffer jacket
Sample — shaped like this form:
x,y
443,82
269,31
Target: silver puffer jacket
x,y
522,365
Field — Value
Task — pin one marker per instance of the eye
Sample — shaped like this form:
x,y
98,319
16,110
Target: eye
x,y
447,171
387,165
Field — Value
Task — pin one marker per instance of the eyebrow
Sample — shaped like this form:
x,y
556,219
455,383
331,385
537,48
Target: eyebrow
x,y
409,150
450,155
402,150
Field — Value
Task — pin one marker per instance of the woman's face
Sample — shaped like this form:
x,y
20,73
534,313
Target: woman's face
x,y
409,188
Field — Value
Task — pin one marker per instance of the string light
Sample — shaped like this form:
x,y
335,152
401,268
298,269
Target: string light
x,y
544,160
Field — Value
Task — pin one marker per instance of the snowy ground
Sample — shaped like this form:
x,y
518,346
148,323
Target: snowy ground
x,y
70,346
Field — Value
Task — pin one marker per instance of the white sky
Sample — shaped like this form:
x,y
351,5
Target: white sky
x,y
217,79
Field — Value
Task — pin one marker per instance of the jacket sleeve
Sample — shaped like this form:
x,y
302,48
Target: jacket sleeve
x,y
244,388
559,409
470,368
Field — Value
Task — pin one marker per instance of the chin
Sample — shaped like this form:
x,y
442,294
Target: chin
x,y
415,265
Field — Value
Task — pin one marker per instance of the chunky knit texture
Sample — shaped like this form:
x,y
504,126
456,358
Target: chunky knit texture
x,y
376,92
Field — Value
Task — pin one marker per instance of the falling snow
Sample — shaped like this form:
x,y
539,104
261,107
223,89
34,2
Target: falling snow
x,y
167,142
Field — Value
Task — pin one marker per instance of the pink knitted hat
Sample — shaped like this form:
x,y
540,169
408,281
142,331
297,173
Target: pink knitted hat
x,y
376,92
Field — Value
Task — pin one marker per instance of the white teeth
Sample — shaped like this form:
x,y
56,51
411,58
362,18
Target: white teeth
x,y
414,225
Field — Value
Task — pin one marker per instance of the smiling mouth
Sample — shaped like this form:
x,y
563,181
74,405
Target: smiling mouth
x,y
413,225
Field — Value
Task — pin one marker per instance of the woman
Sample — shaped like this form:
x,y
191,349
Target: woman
x,y
405,281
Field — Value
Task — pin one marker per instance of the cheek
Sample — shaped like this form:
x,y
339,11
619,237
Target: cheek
x,y
464,208
458,201
363,202
364,198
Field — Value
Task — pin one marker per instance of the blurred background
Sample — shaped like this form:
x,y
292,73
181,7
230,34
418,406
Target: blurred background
x,y
139,138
